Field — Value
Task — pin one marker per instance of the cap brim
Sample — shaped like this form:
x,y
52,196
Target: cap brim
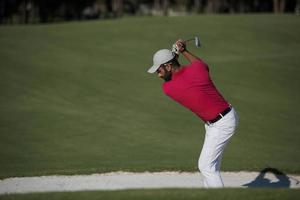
x,y
152,69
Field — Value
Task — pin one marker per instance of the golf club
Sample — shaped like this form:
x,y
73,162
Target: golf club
x,y
196,39
197,43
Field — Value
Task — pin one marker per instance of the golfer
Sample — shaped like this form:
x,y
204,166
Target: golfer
x,y
192,87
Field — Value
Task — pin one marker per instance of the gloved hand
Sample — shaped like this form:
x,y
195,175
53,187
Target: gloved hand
x,y
175,49
179,46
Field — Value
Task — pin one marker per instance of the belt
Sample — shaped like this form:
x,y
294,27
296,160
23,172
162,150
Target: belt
x,y
219,116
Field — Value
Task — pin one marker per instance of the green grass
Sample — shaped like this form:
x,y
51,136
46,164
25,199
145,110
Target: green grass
x,y
213,194
76,98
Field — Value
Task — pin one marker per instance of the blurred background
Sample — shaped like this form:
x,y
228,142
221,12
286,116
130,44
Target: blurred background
x,y
47,11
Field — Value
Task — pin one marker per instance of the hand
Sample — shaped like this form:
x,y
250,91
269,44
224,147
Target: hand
x,y
181,45
175,49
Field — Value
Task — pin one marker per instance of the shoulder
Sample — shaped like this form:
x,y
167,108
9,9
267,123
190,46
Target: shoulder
x,y
198,64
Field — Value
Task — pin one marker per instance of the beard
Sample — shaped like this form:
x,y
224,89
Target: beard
x,y
167,77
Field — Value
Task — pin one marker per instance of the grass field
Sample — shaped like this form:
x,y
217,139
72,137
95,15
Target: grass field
x,y
76,98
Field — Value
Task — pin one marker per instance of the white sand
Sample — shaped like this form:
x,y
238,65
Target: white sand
x,y
145,180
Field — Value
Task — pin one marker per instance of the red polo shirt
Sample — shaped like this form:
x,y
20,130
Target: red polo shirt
x,y
193,88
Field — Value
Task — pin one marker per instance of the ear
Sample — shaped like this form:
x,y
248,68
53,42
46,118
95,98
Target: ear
x,y
168,67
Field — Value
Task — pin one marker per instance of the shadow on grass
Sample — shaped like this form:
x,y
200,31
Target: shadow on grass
x,y
261,180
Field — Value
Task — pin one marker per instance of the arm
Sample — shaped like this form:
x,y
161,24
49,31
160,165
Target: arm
x,y
182,49
189,56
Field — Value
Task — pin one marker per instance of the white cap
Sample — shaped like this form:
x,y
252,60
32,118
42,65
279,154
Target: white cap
x,y
161,57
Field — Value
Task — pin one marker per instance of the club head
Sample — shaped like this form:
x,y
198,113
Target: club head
x,y
197,42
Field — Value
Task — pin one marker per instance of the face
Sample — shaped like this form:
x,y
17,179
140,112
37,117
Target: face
x,y
164,72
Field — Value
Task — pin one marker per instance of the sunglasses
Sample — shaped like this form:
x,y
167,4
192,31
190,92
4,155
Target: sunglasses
x,y
161,66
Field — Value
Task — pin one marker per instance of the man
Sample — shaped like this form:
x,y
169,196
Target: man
x,y
192,87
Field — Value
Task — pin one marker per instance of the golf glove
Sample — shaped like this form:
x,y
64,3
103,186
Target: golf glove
x,y
175,49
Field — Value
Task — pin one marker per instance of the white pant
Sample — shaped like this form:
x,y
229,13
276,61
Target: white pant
x,y
216,137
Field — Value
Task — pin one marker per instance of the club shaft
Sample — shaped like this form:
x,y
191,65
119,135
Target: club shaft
x,y
189,39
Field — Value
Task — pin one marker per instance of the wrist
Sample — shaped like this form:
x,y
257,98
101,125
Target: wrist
x,y
184,51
